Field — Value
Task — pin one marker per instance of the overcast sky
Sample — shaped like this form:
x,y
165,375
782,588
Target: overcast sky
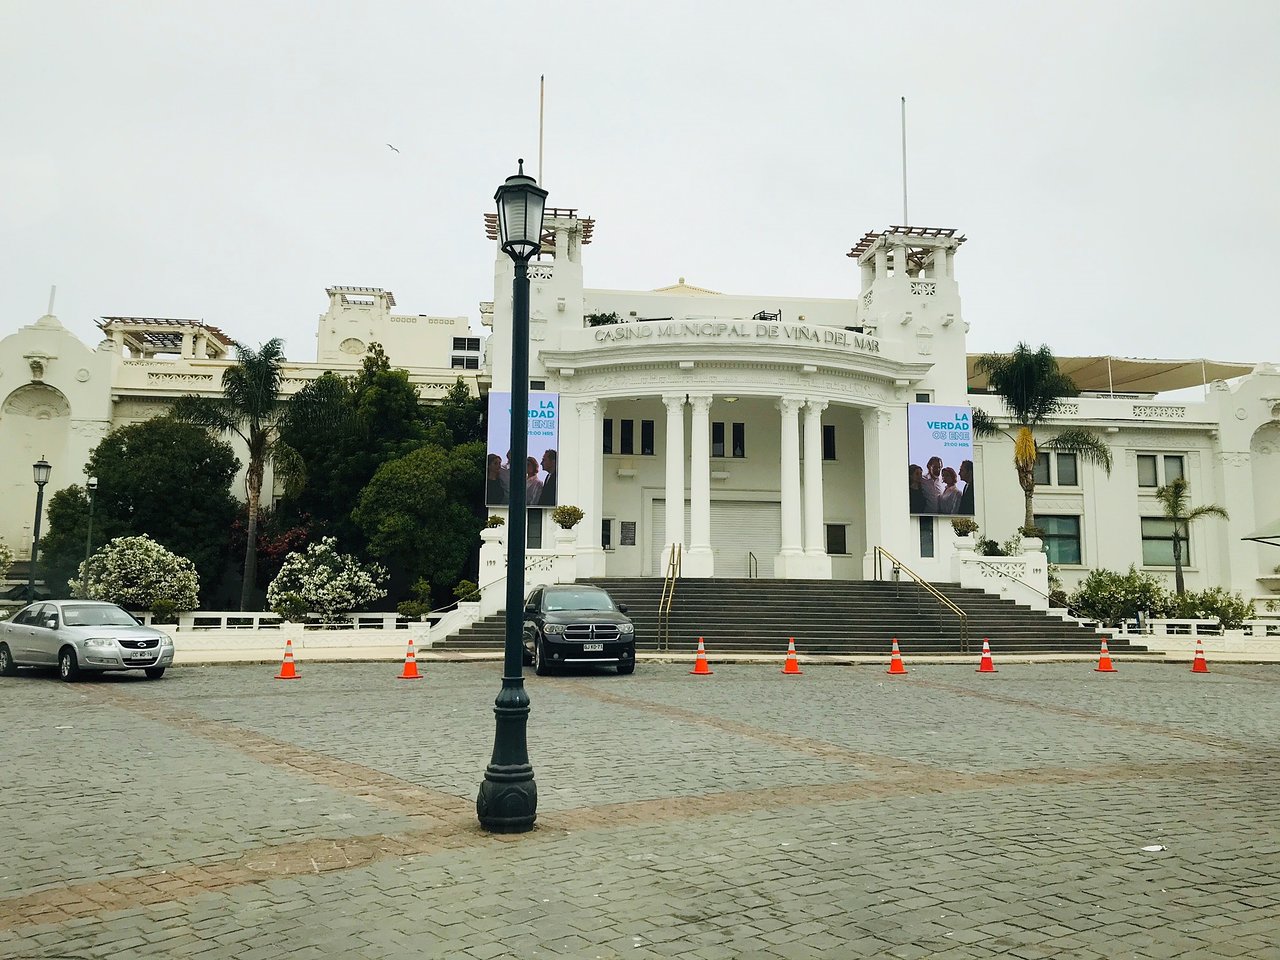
x,y
1113,164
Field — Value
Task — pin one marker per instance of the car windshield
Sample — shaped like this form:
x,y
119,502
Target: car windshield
x,y
96,615
578,600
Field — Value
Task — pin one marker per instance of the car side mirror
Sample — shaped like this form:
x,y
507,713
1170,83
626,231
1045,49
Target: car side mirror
x,y
530,608
622,608
51,623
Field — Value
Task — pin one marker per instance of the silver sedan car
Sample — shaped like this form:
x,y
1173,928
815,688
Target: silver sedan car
x,y
80,635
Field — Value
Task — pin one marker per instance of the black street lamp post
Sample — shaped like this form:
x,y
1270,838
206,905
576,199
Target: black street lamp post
x,y
508,797
41,470
90,487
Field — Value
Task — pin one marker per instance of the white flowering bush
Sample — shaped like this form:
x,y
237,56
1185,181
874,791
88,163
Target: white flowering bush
x,y
137,573
6,559
324,582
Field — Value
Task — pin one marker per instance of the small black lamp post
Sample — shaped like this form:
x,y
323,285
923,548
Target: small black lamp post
x,y
41,470
91,487
508,798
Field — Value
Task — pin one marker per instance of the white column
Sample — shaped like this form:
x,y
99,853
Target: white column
x,y
675,475
882,261
815,541
591,558
889,523
785,565
701,560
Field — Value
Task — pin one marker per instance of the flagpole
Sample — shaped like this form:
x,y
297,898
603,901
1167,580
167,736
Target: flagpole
x,y
542,87
905,222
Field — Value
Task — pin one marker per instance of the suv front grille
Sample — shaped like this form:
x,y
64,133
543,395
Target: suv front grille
x,y
139,644
591,631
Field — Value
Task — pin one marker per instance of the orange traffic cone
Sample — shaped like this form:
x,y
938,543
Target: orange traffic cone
x,y
792,666
410,664
987,665
1104,660
1199,665
287,669
700,668
895,661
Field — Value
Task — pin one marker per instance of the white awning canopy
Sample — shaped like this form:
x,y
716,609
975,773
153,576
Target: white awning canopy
x,y
1132,375
1267,533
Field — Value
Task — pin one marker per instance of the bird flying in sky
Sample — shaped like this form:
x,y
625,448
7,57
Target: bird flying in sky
x,y
393,148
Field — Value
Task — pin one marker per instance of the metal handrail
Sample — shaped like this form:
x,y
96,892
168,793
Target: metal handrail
x,y
668,596
753,566
899,567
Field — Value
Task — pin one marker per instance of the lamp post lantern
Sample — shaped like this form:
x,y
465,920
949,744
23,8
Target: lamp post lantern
x,y
91,487
40,470
508,797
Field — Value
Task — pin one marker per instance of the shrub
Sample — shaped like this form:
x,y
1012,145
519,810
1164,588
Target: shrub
x,y
1112,597
324,582
419,607
963,526
466,591
137,573
495,521
1216,603
566,516
6,559
989,548
164,611
602,319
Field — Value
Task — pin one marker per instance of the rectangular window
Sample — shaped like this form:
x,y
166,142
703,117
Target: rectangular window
x,y
608,436
464,363
473,363
1042,469
627,436
828,441
1157,542
1067,474
924,398
836,539
533,533
1061,537
926,536
466,343
646,438
1158,470
606,533
717,439
739,439
537,384
459,343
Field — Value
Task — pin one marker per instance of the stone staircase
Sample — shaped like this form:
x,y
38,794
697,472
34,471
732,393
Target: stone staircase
x,y
825,617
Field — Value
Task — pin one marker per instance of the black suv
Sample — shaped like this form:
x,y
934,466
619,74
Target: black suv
x,y
577,624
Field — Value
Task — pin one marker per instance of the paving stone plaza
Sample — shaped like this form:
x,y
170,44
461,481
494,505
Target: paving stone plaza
x,y
843,813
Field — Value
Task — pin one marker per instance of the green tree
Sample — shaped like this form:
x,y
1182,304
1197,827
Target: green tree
x,y
161,478
419,512
251,407
1177,508
1032,389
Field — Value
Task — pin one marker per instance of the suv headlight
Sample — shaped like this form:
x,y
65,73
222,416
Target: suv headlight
x,y
552,628
100,643
166,640
626,628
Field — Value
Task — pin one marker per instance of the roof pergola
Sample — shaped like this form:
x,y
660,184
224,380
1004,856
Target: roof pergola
x,y
586,224
917,253
150,335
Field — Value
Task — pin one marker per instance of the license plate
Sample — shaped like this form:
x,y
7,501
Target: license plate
x,y
593,648
140,655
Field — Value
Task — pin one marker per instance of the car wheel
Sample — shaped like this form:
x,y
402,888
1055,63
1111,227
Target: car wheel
x,y
155,673
68,666
7,667
540,665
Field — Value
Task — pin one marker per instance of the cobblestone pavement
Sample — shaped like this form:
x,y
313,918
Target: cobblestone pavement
x,y
843,813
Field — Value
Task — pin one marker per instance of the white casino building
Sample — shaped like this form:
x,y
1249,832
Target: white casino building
x,y
765,435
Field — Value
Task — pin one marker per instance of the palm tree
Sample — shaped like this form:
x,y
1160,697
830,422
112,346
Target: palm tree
x,y
1032,389
1173,497
251,407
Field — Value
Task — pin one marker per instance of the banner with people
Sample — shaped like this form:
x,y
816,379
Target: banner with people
x,y
540,471
940,451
